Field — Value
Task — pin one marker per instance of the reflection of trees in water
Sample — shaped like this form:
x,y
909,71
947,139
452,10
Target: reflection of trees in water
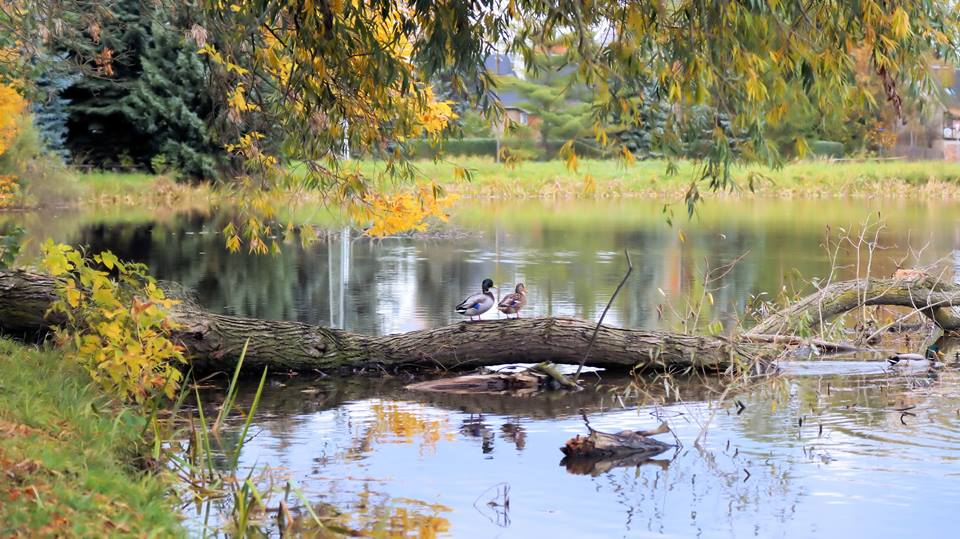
x,y
396,284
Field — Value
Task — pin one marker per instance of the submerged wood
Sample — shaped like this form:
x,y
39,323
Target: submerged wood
x,y
599,451
595,466
518,383
604,444
214,341
540,377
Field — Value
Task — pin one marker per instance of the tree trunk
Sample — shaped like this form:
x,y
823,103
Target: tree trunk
x,y
214,341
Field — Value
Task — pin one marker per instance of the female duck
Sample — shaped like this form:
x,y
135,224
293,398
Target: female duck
x,y
477,304
513,302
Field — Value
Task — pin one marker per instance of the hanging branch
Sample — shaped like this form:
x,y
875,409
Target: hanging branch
x,y
596,330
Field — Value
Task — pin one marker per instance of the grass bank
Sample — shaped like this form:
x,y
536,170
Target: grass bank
x,y
543,179
651,178
139,188
66,456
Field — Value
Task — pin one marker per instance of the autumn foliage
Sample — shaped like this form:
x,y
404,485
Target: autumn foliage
x,y
116,324
12,107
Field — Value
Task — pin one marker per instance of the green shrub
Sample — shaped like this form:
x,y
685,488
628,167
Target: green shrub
x,y
528,147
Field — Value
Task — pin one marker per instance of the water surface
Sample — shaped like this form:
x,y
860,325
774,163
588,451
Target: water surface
x,y
832,448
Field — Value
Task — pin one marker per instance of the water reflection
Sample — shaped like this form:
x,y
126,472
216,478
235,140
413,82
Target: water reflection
x,y
806,455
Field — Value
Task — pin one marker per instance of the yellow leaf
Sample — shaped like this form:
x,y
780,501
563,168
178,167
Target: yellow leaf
x,y
109,259
589,185
900,23
73,295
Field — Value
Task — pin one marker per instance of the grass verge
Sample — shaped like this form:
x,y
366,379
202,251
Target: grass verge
x,y
66,456
612,178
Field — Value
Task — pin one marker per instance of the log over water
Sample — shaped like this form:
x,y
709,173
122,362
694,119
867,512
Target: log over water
x,y
928,295
214,341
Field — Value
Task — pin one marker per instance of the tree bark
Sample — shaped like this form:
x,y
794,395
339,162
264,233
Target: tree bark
x,y
927,295
215,341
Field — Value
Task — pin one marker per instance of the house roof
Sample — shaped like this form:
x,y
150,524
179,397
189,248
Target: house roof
x,y
501,65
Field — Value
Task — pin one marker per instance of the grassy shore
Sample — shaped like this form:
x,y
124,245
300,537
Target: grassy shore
x,y
66,456
651,178
552,179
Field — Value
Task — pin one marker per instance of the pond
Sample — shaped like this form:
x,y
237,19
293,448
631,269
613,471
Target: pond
x,y
834,447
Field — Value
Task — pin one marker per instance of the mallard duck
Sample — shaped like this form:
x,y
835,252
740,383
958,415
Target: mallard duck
x,y
477,304
928,360
513,302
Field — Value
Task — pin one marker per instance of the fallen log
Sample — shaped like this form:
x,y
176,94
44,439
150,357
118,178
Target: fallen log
x,y
930,296
214,341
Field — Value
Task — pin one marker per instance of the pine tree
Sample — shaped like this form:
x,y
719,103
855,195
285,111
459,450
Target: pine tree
x,y
559,106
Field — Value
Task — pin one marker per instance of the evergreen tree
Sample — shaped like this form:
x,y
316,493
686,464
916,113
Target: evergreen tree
x,y
559,106
150,103
50,108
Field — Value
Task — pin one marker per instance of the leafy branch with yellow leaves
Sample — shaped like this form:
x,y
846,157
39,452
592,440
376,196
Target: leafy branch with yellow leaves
x,y
115,323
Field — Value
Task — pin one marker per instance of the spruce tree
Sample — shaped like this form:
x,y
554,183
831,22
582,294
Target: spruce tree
x,y
150,103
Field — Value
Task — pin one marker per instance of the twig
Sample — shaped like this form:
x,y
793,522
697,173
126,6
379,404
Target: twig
x,y
596,330
586,421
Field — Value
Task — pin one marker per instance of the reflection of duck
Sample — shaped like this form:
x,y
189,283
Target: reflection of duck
x,y
477,304
513,302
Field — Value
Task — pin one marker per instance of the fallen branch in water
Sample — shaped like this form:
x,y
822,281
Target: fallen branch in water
x,y
822,345
603,444
600,451
927,295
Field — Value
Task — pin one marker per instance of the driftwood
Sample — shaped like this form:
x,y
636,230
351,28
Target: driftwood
x,y
603,444
543,376
519,383
600,451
